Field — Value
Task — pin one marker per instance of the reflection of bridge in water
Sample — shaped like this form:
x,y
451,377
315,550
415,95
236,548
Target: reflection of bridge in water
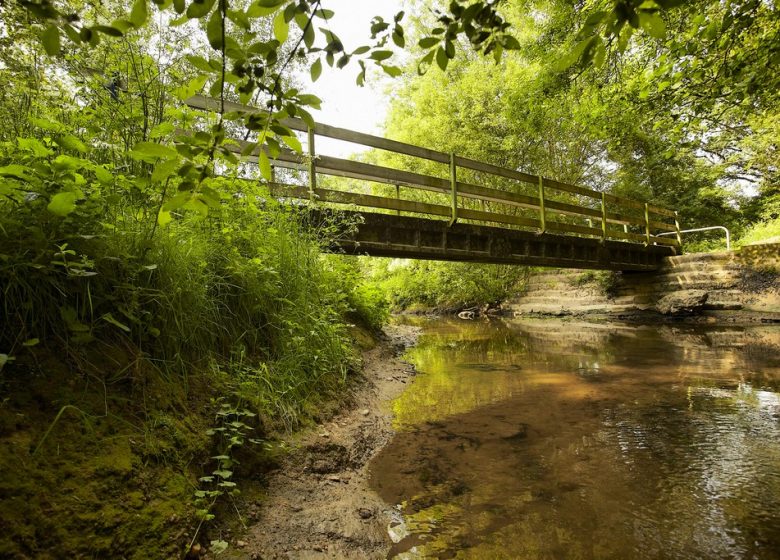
x,y
520,219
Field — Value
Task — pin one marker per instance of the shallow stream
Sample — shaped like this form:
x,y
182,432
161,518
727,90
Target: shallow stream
x,y
559,439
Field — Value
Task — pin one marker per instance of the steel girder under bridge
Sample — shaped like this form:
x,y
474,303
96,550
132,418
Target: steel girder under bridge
x,y
382,235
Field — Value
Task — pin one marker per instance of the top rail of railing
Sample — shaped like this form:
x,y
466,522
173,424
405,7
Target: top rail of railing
x,y
651,220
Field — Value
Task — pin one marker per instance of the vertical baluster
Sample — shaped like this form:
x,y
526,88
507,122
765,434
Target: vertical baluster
x,y
312,168
454,188
542,216
647,223
603,216
677,228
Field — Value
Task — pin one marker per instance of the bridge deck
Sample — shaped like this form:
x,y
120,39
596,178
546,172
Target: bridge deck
x,y
419,238
571,225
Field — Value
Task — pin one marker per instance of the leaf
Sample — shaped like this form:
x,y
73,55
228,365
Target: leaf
x,y
441,58
70,142
310,100
214,30
263,9
63,203
428,42
162,129
381,55
138,13
218,547
150,152
653,24
51,40
109,318
16,171
164,169
31,342
293,142
281,28
193,87
108,30
392,71
197,10
103,175
164,218
265,165
316,70
425,62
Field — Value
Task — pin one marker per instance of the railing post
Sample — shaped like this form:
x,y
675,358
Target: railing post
x,y
603,216
677,228
312,168
398,197
454,188
542,217
647,223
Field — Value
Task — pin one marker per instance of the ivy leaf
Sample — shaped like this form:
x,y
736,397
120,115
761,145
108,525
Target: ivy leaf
x,y
51,40
281,28
62,204
316,70
139,13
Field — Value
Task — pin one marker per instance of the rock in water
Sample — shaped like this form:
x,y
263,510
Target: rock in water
x,y
685,302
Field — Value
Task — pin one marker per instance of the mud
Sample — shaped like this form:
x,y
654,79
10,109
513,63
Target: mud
x,y
318,504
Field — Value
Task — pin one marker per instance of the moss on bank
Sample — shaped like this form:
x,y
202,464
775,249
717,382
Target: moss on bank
x,y
103,465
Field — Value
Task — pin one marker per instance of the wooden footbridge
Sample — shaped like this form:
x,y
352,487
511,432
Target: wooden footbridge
x,y
442,206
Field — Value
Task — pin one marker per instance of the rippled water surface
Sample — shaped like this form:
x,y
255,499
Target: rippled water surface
x,y
554,439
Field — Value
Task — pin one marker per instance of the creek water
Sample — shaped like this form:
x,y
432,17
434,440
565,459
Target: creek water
x,y
558,439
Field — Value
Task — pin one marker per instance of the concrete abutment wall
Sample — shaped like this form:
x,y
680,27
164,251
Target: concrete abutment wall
x,y
746,280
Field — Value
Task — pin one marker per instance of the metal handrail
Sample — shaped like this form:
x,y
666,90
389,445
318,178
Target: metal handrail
x,y
728,235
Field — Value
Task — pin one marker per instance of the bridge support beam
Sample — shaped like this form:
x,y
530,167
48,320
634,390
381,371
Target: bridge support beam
x,y
385,235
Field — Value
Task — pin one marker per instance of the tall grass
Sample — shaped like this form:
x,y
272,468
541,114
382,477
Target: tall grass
x,y
244,291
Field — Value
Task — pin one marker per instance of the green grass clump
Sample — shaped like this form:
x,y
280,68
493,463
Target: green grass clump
x,y
761,232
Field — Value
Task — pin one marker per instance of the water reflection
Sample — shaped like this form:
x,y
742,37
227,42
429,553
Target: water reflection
x,y
553,439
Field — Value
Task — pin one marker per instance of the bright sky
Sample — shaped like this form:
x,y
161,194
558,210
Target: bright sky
x,y
344,103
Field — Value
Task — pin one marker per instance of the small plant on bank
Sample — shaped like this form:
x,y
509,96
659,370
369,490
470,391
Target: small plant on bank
x,y
231,432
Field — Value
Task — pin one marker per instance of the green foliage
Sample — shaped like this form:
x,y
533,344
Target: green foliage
x,y
442,285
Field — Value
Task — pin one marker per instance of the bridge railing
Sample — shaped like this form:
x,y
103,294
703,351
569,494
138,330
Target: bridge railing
x,y
545,210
